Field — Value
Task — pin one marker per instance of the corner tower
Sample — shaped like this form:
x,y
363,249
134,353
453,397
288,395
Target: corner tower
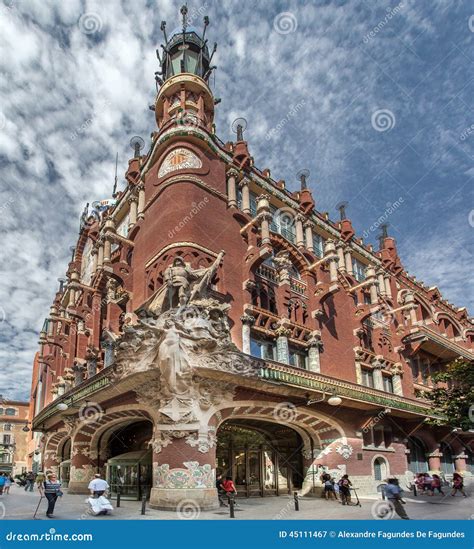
x,y
184,93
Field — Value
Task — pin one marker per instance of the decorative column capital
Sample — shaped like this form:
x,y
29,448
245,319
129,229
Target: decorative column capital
x,y
377,362
247,319
132,198
233,172
244,182
307,223
314,339
397,369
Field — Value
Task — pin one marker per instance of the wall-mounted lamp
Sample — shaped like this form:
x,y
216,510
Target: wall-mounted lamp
x,y
333,400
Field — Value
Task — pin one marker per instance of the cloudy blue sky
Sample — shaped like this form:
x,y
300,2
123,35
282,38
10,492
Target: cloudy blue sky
x,y
374,98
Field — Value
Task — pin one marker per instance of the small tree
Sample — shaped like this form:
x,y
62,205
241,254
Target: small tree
x,y
453,395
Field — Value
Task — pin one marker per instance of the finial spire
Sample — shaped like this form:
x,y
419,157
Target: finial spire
x,y
342,210
383,234
303,175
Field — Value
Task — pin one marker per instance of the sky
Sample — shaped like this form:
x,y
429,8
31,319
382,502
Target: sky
x,y
373,98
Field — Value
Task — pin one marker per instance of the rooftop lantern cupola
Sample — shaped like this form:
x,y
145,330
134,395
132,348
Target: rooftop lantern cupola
x,y
184,96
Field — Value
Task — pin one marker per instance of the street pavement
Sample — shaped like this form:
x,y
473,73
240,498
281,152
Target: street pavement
x,y
21,505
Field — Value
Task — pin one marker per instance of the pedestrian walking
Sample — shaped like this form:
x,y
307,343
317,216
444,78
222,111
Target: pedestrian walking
x,y
8,483
98,486
30,481
394,493
419,482
436,484
2,483
345,489
220,490
458,485
52,490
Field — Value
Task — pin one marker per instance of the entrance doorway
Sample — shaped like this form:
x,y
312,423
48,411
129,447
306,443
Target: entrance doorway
x,y
129,467
263,458
65,463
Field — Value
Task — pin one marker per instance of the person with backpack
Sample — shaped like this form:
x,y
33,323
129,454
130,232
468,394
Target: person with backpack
x,y
458,485
52,490
345,489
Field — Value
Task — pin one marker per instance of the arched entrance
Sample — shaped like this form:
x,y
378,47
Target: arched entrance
x,y
129,465
417,462
263,458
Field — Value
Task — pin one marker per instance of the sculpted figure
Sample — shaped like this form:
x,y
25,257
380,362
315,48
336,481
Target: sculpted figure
x,y
181,285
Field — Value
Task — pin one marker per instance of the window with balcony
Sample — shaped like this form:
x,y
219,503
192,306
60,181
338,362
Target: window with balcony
x,y
262,349
298,358
318,244
367,378
358,269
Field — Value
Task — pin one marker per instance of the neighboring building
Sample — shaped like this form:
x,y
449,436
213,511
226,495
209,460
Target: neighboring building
x,y
13,436
301,348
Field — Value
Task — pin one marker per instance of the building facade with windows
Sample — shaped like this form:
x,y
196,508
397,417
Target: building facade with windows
x,y
213,319
13,436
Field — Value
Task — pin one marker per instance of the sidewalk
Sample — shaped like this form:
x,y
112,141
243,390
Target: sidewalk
x,y
21,505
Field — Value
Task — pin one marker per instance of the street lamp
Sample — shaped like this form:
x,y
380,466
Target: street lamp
x,y
333,400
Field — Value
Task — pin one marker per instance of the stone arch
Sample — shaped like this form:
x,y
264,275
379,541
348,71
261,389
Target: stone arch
x,y
51,456
308,423
457,326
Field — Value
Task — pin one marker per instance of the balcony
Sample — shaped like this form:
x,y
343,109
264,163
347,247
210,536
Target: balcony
x,y
436,344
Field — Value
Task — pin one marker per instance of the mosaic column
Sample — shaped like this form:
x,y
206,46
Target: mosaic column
x,y
308,232
244,186
184,472
460,462
434,460
141,201
397,370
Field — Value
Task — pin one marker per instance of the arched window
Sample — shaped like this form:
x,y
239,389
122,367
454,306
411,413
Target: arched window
x,y
380,468
10,412
417,462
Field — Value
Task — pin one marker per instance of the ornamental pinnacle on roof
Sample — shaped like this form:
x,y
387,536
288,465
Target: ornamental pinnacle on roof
x,y
183,95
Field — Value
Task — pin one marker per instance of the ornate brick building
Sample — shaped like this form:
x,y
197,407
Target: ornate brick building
x,y
214,319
